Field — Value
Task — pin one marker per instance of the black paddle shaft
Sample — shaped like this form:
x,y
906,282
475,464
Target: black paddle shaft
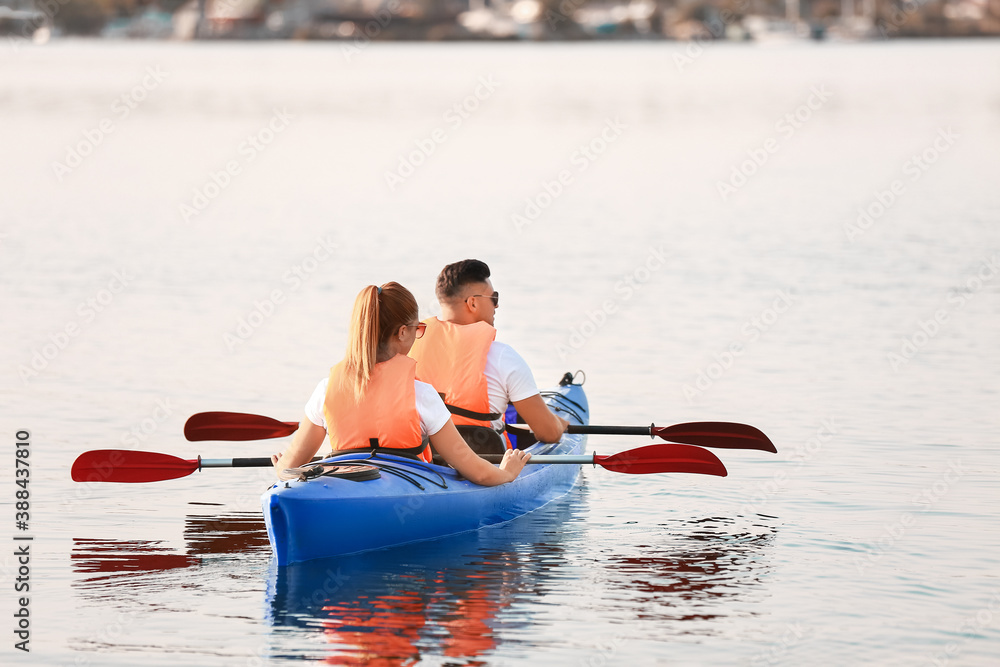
x,y
594,430
611,430
252,463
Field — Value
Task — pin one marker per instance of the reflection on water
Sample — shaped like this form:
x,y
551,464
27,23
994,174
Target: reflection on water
x,y
115,556
228,534
444,597
460,597
239,533
137,590
710,561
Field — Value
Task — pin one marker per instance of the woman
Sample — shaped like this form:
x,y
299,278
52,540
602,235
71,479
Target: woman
x,y
371,397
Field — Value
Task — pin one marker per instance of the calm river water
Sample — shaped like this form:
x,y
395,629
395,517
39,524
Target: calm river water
x,y
804,238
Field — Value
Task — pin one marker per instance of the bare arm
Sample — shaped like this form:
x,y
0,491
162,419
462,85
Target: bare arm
x,y
307,441
545,424
450,445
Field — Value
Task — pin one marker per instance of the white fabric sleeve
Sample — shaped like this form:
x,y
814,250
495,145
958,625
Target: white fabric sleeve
x,y
433,413
316,403
508,378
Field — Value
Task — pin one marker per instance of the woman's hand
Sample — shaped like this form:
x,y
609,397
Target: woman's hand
x,y
453,449
513,462
274,462
305,443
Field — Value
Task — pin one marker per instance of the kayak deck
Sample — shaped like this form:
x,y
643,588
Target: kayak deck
x,y
411,500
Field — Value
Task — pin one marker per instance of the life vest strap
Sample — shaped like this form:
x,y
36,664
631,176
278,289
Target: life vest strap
x,y
374,448
470,414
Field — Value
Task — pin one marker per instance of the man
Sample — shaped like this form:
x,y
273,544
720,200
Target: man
x,y
478,376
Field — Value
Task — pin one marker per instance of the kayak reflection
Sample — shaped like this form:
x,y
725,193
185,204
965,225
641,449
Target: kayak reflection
x,y
444,597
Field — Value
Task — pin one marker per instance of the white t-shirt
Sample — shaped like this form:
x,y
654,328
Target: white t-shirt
x,y
508,379
433,414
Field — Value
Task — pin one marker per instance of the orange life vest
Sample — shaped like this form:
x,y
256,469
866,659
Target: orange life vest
x,y
387,413
452,357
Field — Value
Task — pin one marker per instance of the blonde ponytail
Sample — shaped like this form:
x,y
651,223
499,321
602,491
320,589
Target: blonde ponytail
x,y
363,339
378,313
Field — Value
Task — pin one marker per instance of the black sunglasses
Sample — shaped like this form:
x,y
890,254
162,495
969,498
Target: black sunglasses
x,y
420,328
495,297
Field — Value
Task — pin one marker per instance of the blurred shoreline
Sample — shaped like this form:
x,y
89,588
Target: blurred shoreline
x,y
361,21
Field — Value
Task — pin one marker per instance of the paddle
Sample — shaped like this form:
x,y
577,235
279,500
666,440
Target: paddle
x,y
125,465
235,426
118,465
725,435
641,460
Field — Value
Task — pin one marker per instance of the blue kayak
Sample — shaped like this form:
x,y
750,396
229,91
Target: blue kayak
x,y
410,501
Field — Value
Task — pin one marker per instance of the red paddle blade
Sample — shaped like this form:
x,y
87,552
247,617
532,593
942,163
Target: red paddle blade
x,y
726,435
235,426
664,458
121,465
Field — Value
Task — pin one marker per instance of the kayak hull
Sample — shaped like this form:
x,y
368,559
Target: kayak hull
x,y
412,501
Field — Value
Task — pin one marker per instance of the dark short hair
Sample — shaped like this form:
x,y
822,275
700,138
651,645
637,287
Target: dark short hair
x,y
455,276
